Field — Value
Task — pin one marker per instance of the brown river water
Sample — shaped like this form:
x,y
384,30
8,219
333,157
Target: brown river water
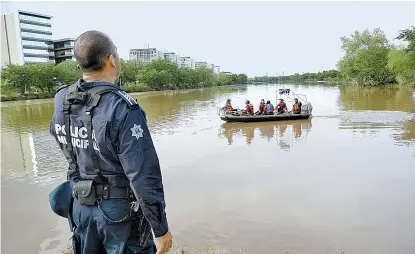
x,y
344,179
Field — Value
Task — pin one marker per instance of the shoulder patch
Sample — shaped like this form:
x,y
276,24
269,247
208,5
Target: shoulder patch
x,y
131,102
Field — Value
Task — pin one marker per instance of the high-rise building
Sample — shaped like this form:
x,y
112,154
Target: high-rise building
x,y
145,55
64,49
26,38
9,49
36,37
187,62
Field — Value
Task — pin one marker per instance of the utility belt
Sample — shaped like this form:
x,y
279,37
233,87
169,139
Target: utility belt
x,y
89,192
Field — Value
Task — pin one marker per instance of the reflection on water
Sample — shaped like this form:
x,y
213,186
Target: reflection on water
x,y
332,181
368,109
283,133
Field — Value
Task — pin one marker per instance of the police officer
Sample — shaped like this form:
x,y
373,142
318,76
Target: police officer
x,y
113,165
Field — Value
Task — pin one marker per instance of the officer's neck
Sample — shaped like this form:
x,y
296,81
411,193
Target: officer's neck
x,y
98,76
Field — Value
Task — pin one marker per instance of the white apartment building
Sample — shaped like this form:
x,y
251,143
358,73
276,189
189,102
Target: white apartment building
x,y
172,57
200,64
146,55
187,62
216,69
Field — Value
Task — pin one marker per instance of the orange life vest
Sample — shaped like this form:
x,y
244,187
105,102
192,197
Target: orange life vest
x,y
229,106
250,108
296,107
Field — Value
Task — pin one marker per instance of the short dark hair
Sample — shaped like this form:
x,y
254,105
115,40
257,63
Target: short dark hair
x,y
92,50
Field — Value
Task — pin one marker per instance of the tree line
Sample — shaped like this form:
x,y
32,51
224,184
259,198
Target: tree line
x,y
369,59
164,74
43,78
331,75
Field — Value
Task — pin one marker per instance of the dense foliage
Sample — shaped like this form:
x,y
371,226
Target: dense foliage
x,y
134,76
366,58
369,59
331,75
163,74
38,78
401,61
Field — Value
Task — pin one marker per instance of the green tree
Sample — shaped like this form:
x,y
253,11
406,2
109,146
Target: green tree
x,y
401,61
16,76
408,35
242,79
224,79
67,72
129,70
159,74
42,76
365,59
205,76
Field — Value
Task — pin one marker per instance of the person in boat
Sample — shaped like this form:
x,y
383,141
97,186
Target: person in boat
x,y
281,107
269,108
297,106
249,109
228,105
262,108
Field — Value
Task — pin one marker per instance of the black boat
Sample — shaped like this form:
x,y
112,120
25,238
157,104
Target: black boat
x,y
240,116
263,118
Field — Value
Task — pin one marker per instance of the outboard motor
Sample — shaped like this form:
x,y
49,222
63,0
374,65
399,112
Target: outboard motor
x,y
307,108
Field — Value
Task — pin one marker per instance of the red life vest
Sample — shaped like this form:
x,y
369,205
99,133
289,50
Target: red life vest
x,y
261,108
250,109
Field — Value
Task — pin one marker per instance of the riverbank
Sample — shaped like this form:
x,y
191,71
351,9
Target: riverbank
x,y
208,250
129,88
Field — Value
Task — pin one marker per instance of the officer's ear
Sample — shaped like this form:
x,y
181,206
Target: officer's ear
x,y
113,61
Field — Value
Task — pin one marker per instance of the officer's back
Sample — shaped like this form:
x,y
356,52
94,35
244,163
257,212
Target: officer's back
x,y
111,156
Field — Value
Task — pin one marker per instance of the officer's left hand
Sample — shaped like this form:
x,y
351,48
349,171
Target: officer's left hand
x,y
164,243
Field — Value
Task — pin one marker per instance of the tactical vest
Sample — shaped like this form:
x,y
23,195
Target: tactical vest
x,y
89,97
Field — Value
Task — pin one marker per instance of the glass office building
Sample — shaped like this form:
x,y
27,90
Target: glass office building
x,y
36,37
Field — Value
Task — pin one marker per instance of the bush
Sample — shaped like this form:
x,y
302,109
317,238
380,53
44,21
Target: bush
x,y
136,87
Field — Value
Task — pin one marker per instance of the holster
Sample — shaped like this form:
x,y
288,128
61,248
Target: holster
x,y
141,232
85,192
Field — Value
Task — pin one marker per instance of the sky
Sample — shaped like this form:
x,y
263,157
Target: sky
x,y
256,38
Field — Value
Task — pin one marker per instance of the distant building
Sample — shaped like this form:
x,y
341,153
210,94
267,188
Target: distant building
x,y
200,64
9,41
216,69
64,49
27,37
36,37
227,73
171,56
187,62
145,55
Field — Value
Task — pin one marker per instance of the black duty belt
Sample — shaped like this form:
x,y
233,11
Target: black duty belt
x,y
88,191
105,191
